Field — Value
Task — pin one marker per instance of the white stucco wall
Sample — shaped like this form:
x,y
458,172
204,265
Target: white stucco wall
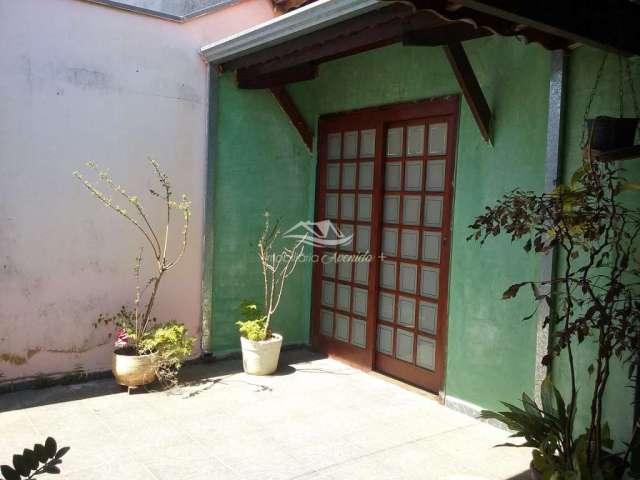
x,y
83,82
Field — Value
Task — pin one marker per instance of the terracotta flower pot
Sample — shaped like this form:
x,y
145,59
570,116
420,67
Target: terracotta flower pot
x,y
131,370
261,358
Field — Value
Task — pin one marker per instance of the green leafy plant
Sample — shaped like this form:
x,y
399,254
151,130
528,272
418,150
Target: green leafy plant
x,y
40,460
252,325
173,346
537,424
544,428
277,265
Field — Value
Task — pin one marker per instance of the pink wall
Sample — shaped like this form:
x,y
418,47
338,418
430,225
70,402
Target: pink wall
x,y
85,82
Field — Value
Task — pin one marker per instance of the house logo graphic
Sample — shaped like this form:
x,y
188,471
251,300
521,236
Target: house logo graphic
x,y
318,234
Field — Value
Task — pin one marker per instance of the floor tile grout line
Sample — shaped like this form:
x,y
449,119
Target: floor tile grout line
x,y
149,471
108,428
376,452
33,425
197,441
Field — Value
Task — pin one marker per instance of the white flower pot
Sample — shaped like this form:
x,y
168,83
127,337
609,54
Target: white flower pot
x,y
261,358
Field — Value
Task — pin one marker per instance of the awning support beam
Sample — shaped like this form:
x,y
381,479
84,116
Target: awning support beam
x,y
470,88
287,105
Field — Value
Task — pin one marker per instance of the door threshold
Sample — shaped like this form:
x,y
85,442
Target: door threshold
x,y
406,386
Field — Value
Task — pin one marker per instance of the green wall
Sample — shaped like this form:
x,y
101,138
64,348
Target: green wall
x,y
260,165
583,68
263,163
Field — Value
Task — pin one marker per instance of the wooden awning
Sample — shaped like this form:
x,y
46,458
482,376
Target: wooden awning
x,y
294,46
437,22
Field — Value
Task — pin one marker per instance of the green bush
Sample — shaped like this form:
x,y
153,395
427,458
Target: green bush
x,y
170,342
254,322
548,428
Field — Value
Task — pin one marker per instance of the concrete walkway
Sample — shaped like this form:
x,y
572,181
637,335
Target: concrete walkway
x,y
317,419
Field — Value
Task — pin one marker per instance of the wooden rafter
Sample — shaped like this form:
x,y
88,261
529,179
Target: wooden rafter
x,y
290,109
250,79
470,88
284,6
443,35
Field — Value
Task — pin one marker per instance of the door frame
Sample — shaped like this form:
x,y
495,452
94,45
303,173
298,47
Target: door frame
x,y
378,117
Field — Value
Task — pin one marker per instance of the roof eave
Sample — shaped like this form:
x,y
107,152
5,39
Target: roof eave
x,y
294,24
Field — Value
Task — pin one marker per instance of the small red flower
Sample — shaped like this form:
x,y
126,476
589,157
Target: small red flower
x,y
122,339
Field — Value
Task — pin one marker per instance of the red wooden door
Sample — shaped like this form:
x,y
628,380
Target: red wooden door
x,y
385,181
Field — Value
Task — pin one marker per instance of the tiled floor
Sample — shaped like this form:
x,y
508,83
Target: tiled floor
x,y
317,419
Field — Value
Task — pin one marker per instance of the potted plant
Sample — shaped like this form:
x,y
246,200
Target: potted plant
x,y
144,349
260,346
594,297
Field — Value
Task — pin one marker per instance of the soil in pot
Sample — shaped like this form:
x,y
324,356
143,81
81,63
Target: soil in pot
x,y
133,370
